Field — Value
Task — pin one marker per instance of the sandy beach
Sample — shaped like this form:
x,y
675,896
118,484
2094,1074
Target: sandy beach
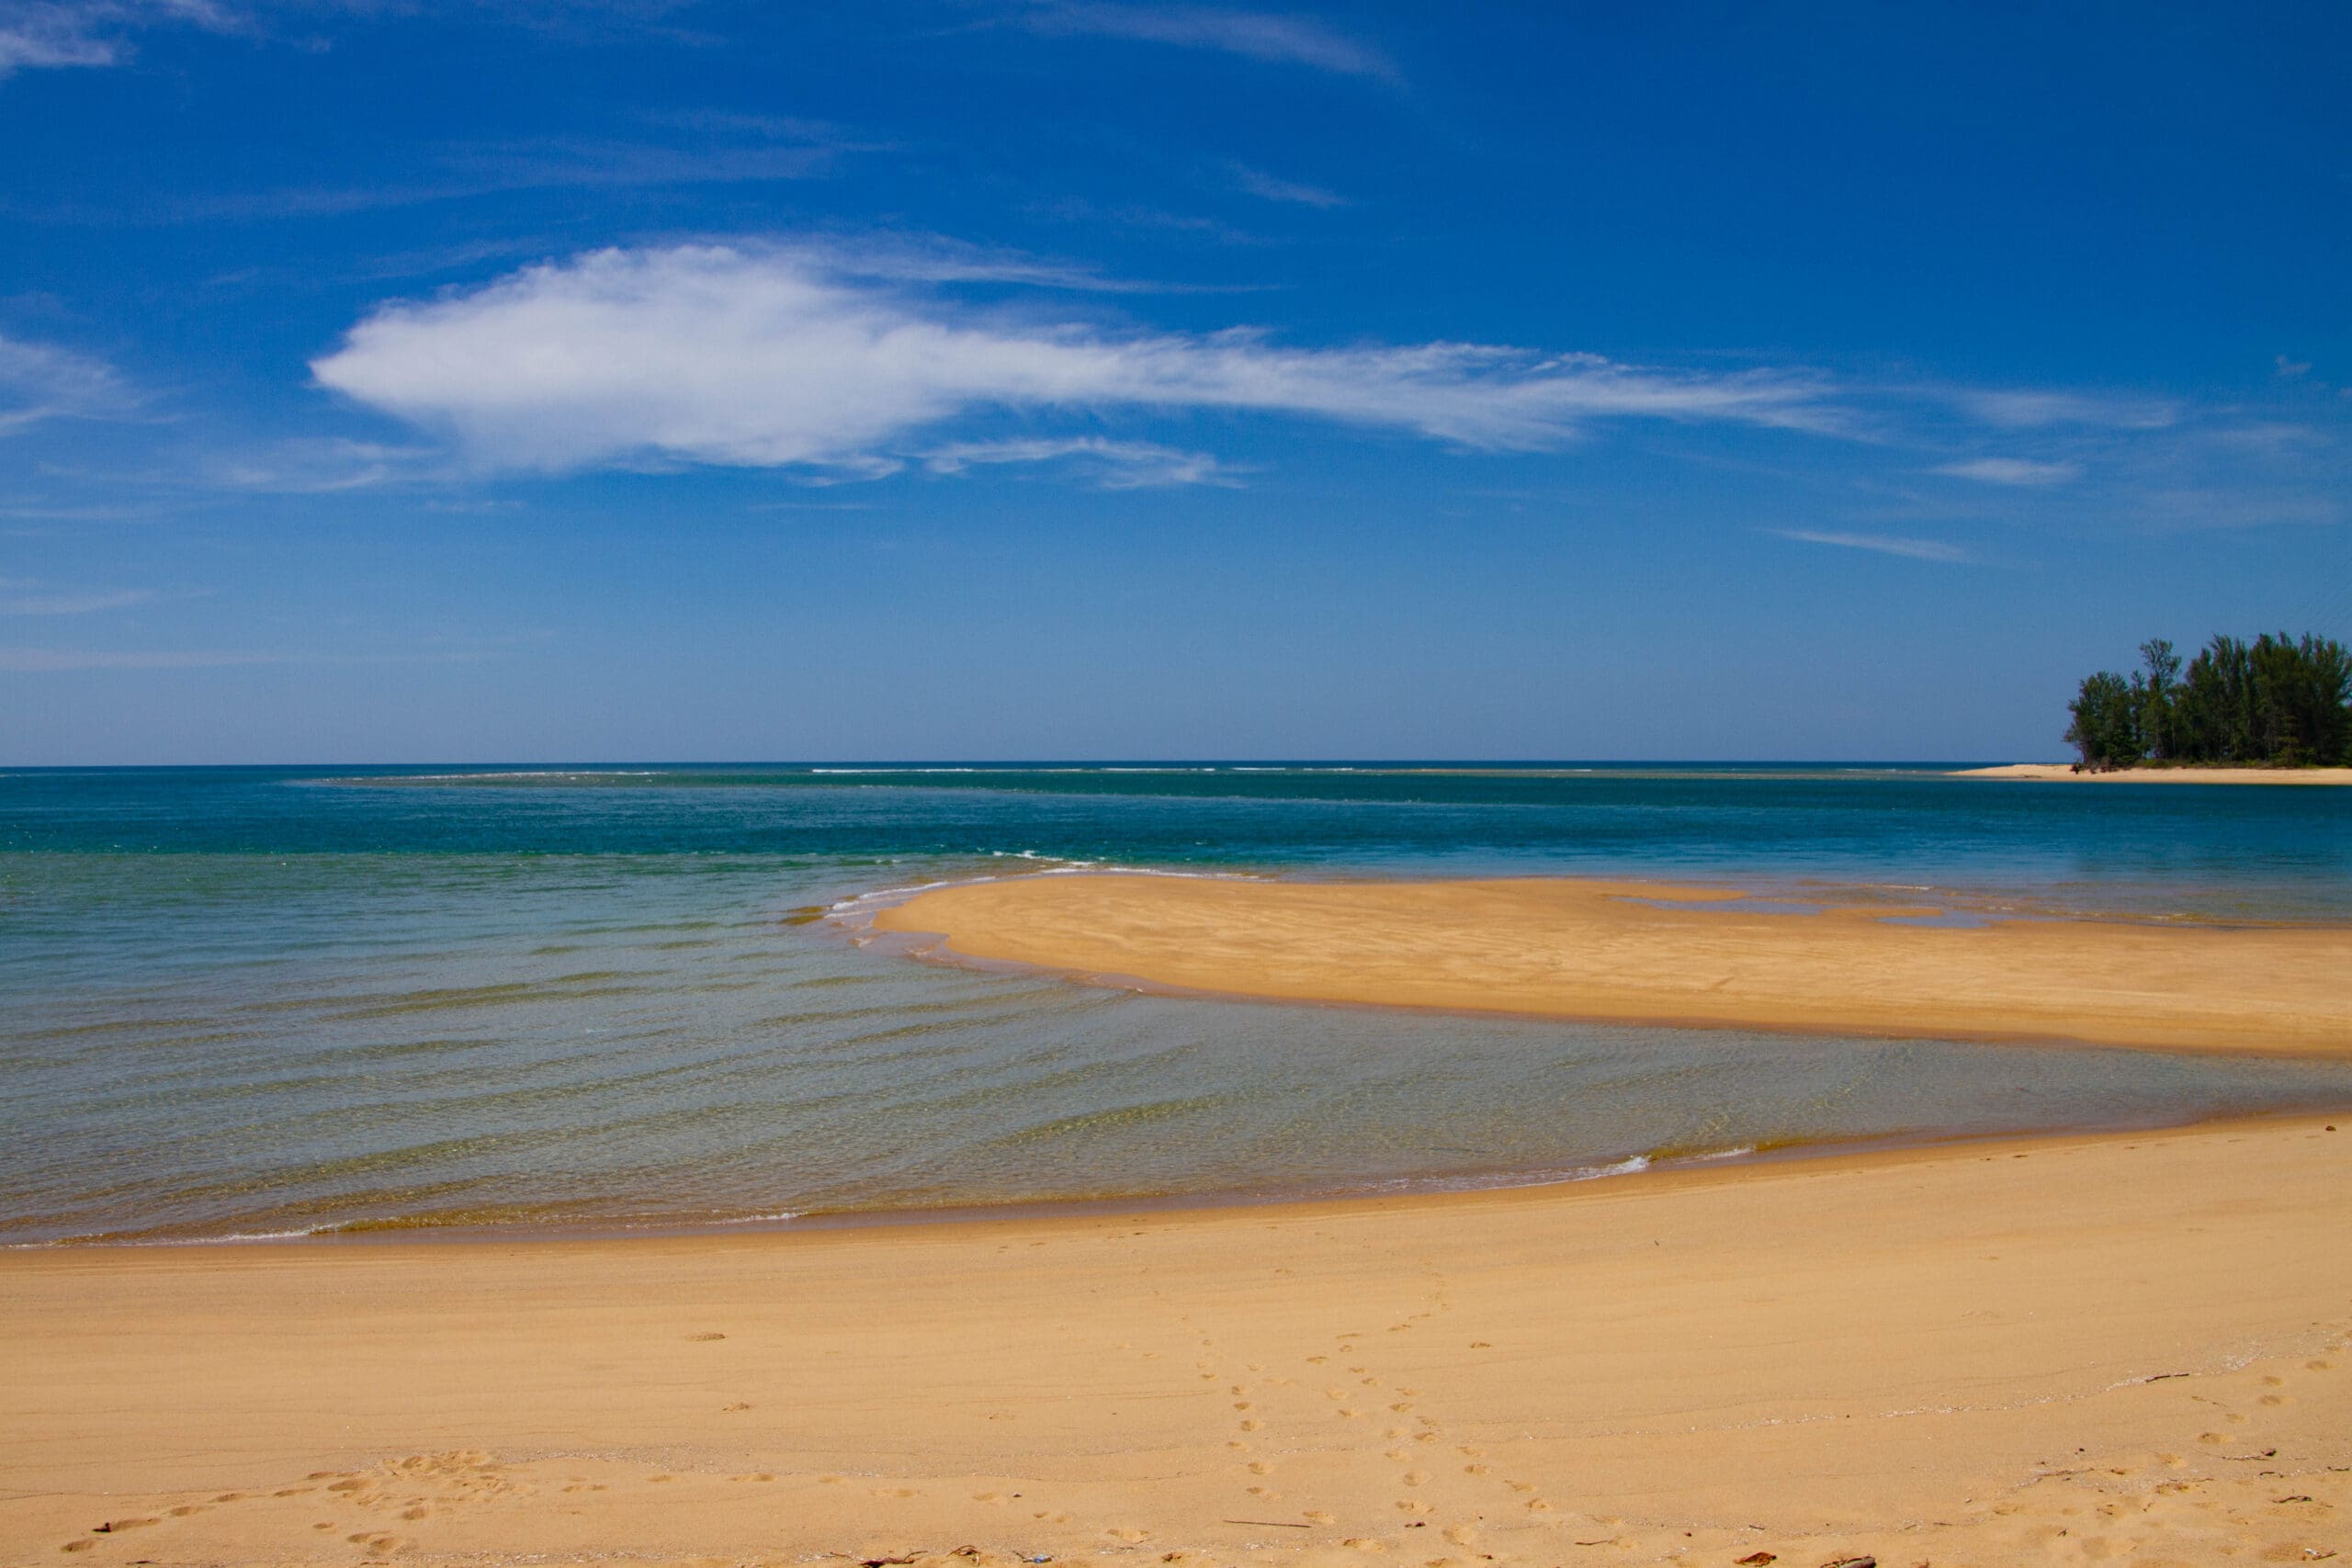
x,y
1666,954
2044,772
2073,1349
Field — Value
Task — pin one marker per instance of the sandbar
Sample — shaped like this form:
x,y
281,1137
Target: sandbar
x,y
2122,1348
1640,952
2048,771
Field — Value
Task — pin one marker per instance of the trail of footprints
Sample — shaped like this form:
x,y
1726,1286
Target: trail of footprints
x,y
1341,1386
1330,1404
412,1488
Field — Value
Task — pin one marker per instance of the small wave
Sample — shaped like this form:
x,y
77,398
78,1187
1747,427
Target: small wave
x,y
122,1238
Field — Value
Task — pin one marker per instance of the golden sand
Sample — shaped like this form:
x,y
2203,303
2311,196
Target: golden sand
x,y
1657,953
2113,1349
2048,770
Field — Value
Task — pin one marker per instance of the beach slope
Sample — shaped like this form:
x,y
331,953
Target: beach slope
x,y
1661,954
2120,1349
2048,772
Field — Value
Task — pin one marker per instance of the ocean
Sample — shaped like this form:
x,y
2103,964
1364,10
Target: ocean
x,y
349,1002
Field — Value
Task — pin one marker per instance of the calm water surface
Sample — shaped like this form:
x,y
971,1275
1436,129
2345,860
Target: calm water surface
x,y
271,1002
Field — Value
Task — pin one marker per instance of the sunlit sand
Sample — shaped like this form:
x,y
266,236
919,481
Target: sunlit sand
x,y
1658,954
2129,1348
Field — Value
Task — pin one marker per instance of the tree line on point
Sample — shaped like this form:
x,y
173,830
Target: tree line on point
x,y
2275,702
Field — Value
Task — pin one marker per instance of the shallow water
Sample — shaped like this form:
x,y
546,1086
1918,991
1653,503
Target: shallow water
x,y
268,1001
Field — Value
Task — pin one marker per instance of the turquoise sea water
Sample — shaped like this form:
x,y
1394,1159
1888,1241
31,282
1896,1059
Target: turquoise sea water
x,y
272,1001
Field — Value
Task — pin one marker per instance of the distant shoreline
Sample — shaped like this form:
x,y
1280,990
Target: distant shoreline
x,y
2068,772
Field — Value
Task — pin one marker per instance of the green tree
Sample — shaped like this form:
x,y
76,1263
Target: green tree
x,y
2278,700
2106,730
2161,667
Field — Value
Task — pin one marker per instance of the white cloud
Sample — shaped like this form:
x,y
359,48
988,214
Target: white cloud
x,y
310,465
1272,187
38,381
46,661
1885,544
770,357
14,601
1253,35
2030,409
1116,464
52,33
2019,471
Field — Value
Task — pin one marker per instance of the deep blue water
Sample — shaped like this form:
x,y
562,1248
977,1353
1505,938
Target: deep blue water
x,y
244,1000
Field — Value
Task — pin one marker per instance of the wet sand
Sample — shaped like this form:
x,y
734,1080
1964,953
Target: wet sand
x,y
1641,953
2060,770
2116,1349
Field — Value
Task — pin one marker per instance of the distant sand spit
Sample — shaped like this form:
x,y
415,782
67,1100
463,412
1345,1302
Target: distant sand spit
x,y
1662,953
2044,771
2122,1348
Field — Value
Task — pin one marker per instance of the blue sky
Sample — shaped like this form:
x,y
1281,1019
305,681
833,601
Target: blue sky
x,y
386,381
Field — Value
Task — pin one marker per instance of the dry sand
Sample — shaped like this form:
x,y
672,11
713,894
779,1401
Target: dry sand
x,y
2113,1349
2046,771
1572,948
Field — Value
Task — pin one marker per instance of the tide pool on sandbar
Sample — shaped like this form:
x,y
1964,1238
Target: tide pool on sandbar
x,y
287,1001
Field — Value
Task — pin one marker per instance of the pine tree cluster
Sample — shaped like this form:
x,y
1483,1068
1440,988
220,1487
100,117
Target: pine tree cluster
x,y
2275,702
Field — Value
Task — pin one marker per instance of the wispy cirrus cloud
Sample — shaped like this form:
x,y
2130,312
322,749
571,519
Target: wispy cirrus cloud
x,y
773,356
1881,544
40,381
51,660
50,34
2031,409
1270,36
553,162
316,466
2015,471
20,597
1114,464
1271,187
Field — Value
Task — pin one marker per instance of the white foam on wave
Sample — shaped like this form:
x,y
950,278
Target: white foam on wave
x,y
232,1238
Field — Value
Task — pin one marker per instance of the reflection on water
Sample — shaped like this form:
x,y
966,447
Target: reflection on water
x,y
252,1003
